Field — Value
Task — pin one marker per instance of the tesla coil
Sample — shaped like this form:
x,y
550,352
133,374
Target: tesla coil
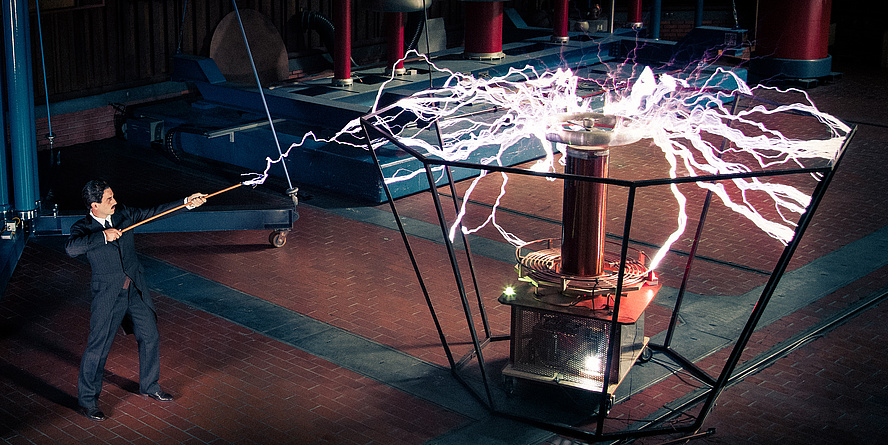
x,y
577,315
579,319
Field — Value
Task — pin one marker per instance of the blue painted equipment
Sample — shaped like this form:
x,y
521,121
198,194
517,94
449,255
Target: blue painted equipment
x,y
226,123
20,93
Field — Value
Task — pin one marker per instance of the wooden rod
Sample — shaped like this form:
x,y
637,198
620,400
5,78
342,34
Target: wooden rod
x,y
179,207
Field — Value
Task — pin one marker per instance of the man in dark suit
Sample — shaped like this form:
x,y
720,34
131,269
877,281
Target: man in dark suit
x,y
120,293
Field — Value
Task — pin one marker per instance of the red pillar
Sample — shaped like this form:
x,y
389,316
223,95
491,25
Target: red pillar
x,y
634,17
394,25
484,30
794,29
560,22
342,58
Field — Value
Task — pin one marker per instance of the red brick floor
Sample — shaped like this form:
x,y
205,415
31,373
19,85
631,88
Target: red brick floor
x,y
231,384
235,385
831,390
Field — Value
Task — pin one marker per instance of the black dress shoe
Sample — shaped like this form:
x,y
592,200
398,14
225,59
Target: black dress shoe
x,y
160,396
93,413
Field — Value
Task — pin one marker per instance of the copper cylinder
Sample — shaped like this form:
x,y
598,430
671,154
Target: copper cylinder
x,y
584,212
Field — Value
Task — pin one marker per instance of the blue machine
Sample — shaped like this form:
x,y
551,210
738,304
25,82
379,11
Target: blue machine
x,y
228,122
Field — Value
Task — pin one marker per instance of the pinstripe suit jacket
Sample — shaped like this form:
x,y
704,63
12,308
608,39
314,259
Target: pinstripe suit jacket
x,y
112,262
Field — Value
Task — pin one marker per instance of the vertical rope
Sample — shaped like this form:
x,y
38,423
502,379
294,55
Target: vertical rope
x,y
49,135
262,94
181,28
425,17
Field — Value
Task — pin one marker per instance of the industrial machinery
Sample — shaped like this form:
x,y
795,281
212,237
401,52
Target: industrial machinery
x,y
241,125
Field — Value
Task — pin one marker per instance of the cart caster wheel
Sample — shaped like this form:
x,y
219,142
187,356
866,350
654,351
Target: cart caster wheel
x,y
278,238
610,404
646,355
510,385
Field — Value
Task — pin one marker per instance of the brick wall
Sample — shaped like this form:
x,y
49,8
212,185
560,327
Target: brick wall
x,y
77,127
676,29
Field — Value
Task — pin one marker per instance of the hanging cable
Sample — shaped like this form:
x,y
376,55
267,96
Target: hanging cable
x,y
181,29
292,190
736,20
54,159
425,16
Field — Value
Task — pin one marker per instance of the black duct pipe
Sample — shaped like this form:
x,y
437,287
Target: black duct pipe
x,y
315,21
311,20
171,146
416,22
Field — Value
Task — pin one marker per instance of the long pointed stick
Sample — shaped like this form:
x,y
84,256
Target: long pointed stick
x,y
179,207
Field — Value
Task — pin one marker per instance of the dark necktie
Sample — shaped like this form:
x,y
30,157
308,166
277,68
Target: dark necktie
x,y
116,244
108,226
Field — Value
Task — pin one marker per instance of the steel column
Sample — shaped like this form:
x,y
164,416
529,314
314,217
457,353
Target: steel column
x,y
4,180
656,12
698,14
20,100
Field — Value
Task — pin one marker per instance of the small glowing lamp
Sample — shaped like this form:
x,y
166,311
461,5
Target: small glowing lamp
x,y
592,364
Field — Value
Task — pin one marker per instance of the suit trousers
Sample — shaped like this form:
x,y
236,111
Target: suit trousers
x,y
103,325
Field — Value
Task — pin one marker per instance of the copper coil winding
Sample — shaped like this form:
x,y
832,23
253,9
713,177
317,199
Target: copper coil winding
x,y
540,261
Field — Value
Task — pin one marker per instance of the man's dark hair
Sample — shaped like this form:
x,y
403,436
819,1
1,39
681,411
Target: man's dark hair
x,y
93,192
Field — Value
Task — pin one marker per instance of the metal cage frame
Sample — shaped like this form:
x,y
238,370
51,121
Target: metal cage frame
x,y
716,384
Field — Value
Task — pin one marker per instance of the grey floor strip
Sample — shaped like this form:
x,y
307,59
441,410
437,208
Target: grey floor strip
x,y
353,352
